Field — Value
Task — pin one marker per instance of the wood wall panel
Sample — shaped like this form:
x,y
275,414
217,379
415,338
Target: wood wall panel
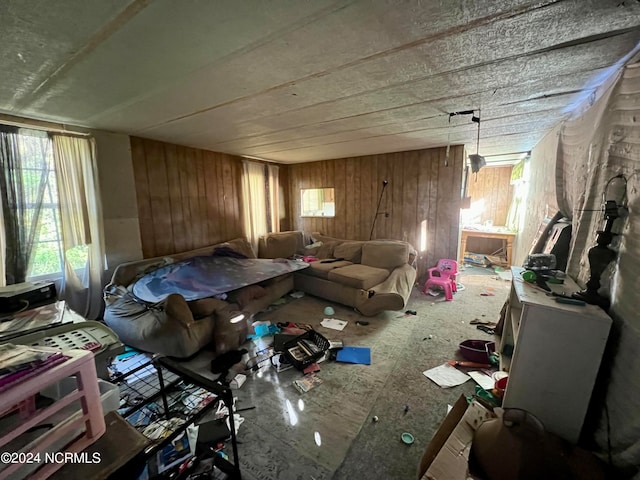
x,y
421,189
187,198
492,184
283,179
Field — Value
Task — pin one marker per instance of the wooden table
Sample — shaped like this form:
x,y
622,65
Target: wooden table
x,y
120,444
506,237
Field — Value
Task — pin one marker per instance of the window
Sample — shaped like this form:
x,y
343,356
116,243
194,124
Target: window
x,y
36,178
318,202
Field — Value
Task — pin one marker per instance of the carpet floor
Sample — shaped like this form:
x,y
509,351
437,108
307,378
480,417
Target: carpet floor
x,y
328,432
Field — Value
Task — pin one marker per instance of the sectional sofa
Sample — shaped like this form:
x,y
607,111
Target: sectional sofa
x,y
371,276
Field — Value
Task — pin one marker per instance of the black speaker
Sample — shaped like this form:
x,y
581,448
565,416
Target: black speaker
x,y
558,243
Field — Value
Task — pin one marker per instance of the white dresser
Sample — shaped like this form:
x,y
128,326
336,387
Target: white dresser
x,y
552,352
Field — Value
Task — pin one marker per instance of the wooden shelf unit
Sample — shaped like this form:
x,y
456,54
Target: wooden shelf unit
x,y
556,353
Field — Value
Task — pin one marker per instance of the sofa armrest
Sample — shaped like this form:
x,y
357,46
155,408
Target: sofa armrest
x,y
392,294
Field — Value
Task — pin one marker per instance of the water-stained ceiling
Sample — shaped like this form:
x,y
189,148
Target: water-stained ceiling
x,y
295,81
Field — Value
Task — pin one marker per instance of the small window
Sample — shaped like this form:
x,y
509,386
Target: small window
x,y
318,202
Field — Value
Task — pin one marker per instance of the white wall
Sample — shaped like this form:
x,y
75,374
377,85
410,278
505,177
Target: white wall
x,y
603,142
119,204
541,199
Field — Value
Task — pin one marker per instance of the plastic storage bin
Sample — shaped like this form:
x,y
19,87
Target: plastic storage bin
x,y
304,350
73,422
109,394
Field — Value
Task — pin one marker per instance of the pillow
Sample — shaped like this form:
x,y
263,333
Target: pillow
x,y
239,245
321,250
350,251
326,250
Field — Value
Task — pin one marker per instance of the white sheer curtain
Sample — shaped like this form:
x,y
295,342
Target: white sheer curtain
x,y
254,201
260,200
274,196
81,223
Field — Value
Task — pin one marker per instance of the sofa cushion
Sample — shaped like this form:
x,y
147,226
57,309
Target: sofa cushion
x,y
325,250
321,270
350,251
280,245
245,295
387,254
239,245
358,276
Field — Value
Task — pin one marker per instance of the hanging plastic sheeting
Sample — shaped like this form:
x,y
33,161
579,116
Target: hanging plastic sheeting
x,y
593,148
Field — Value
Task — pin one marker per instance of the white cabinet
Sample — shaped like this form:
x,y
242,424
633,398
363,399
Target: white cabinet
x,y
552,352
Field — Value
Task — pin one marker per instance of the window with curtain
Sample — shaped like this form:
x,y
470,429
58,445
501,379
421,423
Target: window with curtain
x,y
51,218
260,200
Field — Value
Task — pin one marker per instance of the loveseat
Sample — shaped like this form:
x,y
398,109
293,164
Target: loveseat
x,y
371,276
178,328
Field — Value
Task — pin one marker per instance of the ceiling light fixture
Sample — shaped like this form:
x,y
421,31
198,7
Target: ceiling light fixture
x,y
477,161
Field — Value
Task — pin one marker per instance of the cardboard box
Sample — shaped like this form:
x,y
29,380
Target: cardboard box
x,y
447,455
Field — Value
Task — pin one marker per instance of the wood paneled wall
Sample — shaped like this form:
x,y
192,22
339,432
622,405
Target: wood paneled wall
x,y
422,194
492,185
187,198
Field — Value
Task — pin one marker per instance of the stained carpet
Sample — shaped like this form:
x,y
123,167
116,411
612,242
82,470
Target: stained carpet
x,y
328,432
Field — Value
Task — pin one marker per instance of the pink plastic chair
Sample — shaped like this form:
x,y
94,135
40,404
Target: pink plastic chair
x,y
443,275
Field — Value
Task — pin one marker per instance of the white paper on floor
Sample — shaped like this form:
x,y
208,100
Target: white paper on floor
x,y
482,379
333,323
446,376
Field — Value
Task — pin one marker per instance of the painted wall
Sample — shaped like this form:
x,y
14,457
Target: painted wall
x,y
119,203
541,200
187,198
422,199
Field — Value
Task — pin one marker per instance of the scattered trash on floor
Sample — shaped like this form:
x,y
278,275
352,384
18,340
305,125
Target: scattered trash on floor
x,y
446,376
486,294
329,311
162,428
334,323
407,438
482,379
375,419
486,329
280,301
465,364
313,368
406,409
307,382
262,329
357,355
362,323
296,294
477,321
238,381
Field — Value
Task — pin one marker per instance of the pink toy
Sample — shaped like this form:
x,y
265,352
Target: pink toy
x,y
444,276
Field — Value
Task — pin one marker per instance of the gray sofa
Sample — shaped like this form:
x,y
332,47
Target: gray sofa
x,y
178,328
371,276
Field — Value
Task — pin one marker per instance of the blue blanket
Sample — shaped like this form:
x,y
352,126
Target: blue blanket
x,y
208,276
